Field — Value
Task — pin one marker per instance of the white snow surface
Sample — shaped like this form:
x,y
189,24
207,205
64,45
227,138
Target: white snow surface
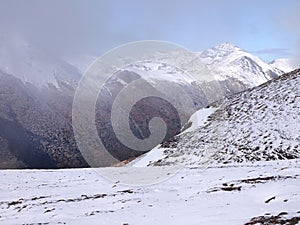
x,y
152,156
222,194
199,118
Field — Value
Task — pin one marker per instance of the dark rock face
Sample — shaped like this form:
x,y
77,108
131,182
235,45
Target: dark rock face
x,y
35,129
25,145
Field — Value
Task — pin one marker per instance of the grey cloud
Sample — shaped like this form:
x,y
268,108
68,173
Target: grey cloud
x,y
56,25
68,27
81,26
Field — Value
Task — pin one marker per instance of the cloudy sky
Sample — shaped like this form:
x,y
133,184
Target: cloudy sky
x,y
268,28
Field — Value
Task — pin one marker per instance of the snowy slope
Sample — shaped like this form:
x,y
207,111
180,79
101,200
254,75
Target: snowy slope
x,y
227,61
258,124
285,64
220,195
32,65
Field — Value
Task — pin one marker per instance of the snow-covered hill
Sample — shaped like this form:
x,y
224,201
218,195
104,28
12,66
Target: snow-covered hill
x,y
258,124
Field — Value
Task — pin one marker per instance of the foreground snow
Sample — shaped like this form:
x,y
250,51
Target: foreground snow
x,y
221,194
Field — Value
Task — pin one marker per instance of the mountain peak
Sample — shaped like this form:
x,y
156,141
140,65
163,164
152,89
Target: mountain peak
x,y
231,62
226,46
221,50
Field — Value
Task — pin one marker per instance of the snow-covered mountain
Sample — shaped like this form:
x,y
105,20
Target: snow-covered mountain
x,y
285,64
259,124
229,62
235,68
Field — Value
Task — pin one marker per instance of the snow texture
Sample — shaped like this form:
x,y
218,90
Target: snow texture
x,y
222,194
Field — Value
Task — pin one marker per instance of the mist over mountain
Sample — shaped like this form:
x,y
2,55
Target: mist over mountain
x,y
37,90
33,65
36,100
